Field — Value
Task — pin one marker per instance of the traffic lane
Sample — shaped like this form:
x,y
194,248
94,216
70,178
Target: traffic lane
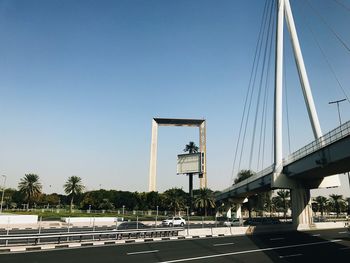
x,y
239,246
245,249
329,253
270,239
145,252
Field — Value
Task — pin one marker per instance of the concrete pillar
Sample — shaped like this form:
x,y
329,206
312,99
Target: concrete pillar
x,y
153,159
301,206
238,210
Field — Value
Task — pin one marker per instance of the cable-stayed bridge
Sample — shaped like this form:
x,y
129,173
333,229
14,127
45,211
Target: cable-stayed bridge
x,y
314,165
324,157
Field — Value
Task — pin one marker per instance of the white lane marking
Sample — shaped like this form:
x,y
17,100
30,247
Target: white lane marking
x,y
250,251
142,252
343,232
344,248
289,256
277,238
316,235
223,244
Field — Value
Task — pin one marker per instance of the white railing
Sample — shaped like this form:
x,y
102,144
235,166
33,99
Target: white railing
x,y
107,234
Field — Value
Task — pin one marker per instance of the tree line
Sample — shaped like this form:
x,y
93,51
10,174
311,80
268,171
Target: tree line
x,y
29,195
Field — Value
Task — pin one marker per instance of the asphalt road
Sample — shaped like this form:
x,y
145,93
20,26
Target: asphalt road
x,y
314,246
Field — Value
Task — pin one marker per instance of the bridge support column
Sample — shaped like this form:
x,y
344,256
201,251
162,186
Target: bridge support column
x,y
238,210
301,206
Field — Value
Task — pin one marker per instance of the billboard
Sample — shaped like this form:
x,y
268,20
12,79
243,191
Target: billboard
x,y
190,163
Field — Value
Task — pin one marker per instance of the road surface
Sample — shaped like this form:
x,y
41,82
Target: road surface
x,y
313,246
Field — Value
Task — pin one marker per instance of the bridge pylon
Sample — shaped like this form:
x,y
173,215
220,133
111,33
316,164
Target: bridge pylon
x,y
300,194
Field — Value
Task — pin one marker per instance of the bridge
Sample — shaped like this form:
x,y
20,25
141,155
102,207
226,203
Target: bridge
x,y
314,165
326,156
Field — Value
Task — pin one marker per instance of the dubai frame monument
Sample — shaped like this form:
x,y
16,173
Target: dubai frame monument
x,y
176,122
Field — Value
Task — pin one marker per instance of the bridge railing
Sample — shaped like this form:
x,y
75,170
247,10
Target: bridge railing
x,y
254,177
327,139
91,235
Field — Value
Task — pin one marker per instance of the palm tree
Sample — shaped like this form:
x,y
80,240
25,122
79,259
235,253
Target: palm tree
x,y
191,147
243,174
321,202
204,199
336,202
30,187
284,197
73,187
174,199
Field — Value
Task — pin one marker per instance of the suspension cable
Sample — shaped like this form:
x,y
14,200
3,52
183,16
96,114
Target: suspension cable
x,y
252,91
286,100
326,58
266,64
262,140
329,27
260,88
256,55
342,5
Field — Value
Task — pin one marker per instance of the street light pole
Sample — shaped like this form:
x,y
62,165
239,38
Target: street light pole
x,y
337,102
157,217
340,123
3,192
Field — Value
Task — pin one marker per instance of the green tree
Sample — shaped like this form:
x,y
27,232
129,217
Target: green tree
x,y
174,199
242,175
73,187
204,199
336,202
30,187
191,147
106,205
321,203
284,196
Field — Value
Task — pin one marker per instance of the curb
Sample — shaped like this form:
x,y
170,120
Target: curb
x,y
4,250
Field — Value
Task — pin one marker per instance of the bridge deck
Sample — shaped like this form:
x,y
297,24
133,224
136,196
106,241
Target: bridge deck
x,y
262,179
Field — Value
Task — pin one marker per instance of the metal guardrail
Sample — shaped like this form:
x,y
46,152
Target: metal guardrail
x,y
327,139
106,234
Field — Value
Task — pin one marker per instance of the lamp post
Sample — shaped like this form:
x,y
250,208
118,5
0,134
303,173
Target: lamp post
x,y
157,217
340,123
3,192
188,220
123,209
337,102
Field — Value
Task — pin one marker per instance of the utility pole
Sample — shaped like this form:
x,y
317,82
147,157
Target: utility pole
x,y
3,192
337,102
340,123
190,191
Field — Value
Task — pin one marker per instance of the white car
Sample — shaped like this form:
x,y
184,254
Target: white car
x,y
232,222
174,221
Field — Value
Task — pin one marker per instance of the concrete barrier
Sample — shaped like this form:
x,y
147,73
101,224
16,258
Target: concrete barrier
x,y
322,225
215,231
7,219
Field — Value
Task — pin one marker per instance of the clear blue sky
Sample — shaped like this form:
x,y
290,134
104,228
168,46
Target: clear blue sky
x,y
80,82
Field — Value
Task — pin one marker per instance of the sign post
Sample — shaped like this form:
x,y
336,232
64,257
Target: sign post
x,y
191,163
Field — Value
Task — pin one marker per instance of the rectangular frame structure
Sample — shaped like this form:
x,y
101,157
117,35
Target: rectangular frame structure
x,y
197,123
